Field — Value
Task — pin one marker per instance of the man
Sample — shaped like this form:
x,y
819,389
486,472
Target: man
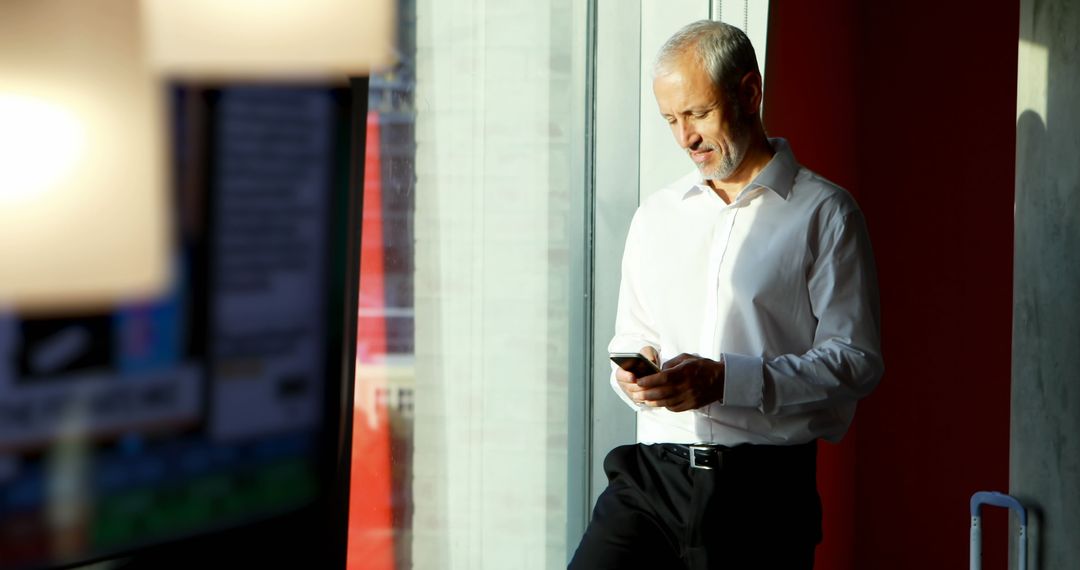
x,y
752,281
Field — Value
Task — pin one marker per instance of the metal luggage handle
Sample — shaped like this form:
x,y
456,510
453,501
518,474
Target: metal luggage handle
x,y
996,499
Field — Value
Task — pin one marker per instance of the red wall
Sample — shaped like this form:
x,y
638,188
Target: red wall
x,y
912,106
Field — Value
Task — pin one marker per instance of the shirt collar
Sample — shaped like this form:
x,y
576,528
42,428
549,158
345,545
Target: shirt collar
x,y
778,174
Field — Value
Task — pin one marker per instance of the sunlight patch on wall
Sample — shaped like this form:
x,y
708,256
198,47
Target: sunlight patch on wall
x,y
1032,79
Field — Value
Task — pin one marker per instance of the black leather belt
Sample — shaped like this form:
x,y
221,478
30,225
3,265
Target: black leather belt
x,y
699,456
767,457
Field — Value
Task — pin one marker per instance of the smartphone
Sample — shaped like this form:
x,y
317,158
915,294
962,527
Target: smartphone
x,y
635,363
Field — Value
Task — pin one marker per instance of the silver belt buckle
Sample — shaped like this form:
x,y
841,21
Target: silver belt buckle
x,y
693,456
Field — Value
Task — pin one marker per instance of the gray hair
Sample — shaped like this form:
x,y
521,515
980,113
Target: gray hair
x,y
723,49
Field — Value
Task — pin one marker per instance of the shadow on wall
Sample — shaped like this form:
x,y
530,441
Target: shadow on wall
x,y
1045,437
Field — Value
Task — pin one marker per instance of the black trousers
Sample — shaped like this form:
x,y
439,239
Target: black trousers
x,y
757,509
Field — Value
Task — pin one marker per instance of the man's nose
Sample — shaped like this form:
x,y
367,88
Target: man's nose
x,y
688,137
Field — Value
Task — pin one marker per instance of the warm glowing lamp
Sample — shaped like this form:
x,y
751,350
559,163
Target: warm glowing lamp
x,y
83,218
289,39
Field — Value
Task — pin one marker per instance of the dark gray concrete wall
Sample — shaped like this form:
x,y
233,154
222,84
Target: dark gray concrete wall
x,y
1045,429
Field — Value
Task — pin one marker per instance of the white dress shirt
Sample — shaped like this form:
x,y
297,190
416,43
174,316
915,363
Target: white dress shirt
x,y
780,284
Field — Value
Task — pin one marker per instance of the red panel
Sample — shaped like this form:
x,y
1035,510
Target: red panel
x,y
912,107
938,125
371,538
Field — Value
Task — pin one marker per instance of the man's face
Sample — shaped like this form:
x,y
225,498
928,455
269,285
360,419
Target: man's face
x,y
700,118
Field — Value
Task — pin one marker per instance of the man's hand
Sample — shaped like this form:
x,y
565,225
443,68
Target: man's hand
x,y
687,382
629,383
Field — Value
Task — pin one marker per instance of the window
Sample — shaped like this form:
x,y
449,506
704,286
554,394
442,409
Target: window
x,y
465,342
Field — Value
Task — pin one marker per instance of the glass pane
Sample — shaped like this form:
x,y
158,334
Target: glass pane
x,y
460,451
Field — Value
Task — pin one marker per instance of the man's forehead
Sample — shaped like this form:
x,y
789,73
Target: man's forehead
x,y
684,86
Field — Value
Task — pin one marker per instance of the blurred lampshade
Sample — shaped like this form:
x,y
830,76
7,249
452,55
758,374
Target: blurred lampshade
x,y
82,197
275,39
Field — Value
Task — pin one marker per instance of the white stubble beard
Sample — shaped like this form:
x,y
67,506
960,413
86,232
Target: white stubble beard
x,y
731,157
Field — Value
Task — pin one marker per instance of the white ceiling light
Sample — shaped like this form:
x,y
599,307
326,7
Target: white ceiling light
x,y
82,199
269,38
40,143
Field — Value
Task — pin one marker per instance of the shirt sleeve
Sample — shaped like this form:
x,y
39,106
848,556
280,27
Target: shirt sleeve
x,y
633,323
845,362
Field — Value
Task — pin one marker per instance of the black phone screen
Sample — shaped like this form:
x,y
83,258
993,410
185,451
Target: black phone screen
x,y
635,363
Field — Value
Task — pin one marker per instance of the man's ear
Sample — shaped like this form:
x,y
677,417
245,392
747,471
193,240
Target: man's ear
x,y
750,93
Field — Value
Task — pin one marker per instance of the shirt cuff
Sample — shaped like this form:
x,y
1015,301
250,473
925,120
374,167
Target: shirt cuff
x,y
744,381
